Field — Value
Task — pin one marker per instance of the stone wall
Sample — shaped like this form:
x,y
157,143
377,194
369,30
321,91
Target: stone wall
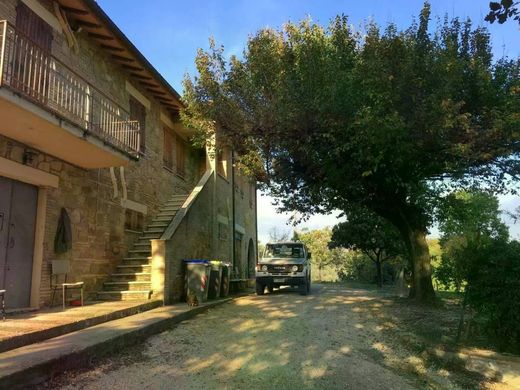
x,y
98,217
97,214
199,237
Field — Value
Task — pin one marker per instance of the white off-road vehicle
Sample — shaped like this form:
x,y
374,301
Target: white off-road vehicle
x,y
284,264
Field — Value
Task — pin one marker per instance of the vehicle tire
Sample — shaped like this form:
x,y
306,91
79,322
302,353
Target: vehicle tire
x,y
270,288
260,288
304,288
309,286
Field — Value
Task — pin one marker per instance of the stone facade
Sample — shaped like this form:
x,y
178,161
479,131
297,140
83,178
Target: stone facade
x,y
95,199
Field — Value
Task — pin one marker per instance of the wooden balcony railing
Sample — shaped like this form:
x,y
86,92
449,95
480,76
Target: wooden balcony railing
x,y
32,72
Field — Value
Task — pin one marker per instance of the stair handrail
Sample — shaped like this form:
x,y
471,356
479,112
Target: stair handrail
x,y
190,200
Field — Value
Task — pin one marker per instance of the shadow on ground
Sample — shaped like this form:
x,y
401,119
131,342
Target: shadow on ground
x,y
337,337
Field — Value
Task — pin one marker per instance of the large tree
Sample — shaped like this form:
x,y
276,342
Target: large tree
x,y
332,118
466,219
370,234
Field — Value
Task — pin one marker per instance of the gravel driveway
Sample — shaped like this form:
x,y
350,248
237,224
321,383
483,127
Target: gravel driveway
x,y
330,339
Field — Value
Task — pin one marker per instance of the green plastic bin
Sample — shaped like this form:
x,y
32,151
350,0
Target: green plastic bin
x,y
197,279
226,277
215,279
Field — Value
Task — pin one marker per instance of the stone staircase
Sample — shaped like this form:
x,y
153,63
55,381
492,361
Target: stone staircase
x,y
132,279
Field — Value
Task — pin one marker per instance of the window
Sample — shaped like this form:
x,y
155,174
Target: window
x,y
29,72
134,220
180,157
168,149
284,251
222,231
238,252
138,113
252,194
222,163
34,27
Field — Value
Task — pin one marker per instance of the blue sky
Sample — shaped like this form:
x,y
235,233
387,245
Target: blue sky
x,y
169,33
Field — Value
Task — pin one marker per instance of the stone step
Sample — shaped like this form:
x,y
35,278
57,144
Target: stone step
x,y
131,277
138,253
151,236
166,214
162,220
137,268
143,242
153,230
179,202
127,286
158,225
181,196
124,295
135,261
170,208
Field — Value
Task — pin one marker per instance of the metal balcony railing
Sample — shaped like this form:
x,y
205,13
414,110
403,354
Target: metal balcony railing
x,y
29,70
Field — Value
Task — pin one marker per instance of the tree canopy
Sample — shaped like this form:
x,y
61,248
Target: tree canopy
x,y
500,12
372,235
466,220
332,118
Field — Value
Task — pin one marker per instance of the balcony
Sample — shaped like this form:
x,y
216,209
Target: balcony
x,y
47,106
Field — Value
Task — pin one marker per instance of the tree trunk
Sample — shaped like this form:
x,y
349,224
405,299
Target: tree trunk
x,y
379,274
414,238
422,288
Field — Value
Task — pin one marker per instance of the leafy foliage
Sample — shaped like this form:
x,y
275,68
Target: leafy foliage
x,y
494,291
500,12
370,234
317,242
332,118
466,219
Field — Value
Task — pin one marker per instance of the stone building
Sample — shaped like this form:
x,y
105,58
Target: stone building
x,y
89,126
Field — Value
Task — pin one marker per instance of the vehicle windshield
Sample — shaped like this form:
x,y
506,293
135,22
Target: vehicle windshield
x,y
283,250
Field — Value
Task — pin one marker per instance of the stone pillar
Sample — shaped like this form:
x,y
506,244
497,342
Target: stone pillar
x,y
158,270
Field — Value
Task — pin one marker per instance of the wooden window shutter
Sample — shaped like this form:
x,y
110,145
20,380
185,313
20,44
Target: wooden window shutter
x,y
34,27
181,157
138,113
168,149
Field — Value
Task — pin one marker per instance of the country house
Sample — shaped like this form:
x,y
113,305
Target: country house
x,y
92,150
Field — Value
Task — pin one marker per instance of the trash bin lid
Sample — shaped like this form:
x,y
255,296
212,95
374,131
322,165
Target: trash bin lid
x,y
195,261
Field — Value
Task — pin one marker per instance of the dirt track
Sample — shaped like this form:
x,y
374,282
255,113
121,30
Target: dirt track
x,y
331,339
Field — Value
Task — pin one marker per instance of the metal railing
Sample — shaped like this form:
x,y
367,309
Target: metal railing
x,y
33,72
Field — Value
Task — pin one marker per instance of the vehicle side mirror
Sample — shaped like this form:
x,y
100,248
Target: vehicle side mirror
x,y
309,255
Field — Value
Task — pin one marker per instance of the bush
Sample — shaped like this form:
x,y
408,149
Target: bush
x,y
494,291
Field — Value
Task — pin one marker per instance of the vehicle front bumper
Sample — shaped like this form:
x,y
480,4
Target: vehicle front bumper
x,y
282,280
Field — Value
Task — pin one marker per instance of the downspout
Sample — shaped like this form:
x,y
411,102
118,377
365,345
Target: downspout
x,y
233,208
256,225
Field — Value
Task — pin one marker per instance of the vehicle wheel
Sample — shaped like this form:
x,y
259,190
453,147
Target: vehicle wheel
x,y
260,288
270,288
309,286
304,288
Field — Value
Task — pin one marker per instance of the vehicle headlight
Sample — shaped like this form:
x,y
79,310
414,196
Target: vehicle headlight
x,y
295,268
264,268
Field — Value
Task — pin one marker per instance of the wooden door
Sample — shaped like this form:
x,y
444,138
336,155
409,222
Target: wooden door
x,y
18,202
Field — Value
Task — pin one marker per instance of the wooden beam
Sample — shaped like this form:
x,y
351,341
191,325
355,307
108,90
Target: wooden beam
x,y
164,101
131,67
156,92
141,77
121,58
149,85
87,24
111,48
74,11
101,36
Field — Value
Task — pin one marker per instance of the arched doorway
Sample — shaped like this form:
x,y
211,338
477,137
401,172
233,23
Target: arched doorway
x,y
251,259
